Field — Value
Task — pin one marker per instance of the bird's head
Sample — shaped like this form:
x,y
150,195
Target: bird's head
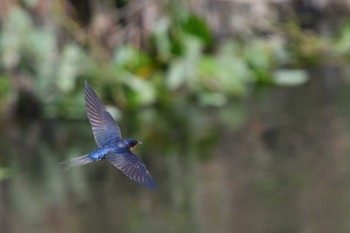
x,y
132,143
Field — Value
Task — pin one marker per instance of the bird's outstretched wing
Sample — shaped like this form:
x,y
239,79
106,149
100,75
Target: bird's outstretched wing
x,y
106,131
133,167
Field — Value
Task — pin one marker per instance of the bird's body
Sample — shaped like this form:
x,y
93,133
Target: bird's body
x,y
100,153
122,146
111,146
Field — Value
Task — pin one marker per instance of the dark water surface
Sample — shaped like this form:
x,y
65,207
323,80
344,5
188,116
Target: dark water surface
x,y
279,162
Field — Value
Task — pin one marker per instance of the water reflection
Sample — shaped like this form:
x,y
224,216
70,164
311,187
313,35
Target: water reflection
x,y
278,163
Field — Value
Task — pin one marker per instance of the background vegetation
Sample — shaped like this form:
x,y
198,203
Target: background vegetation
x,y
140,53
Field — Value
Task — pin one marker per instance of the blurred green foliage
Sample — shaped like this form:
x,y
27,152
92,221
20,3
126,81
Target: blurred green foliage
x,y
181,59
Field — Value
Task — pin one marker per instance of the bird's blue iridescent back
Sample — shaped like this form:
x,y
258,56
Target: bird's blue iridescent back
x,y
100,153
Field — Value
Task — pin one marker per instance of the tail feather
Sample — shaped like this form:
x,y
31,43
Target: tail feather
x,y
78,161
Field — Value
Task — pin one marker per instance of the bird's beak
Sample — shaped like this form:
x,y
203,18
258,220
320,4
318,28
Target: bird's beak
x,y
139,142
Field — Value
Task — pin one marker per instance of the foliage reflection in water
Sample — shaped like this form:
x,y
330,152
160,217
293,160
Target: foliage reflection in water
x,y
278,163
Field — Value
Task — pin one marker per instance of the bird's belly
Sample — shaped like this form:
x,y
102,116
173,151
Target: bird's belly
x,y
99,153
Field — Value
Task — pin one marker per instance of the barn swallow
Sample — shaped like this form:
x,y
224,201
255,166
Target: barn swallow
x,y
111,146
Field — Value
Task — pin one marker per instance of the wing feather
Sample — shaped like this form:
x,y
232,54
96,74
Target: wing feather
x,y
106,131
133,167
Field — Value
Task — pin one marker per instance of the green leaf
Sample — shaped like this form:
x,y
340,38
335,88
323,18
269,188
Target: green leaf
x,y
5,85
184,70
207,66
129,58
197,27
161,39
177,74
212,99
143,91
71,62
290,77
14,34
5,173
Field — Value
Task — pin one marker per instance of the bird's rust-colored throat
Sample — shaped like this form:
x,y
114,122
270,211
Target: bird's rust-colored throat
x,y
132,147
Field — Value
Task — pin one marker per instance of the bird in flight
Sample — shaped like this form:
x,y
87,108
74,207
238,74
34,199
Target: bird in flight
x,y
111,146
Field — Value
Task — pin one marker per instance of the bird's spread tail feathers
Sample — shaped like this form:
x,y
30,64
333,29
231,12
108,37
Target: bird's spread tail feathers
x,y
78,161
